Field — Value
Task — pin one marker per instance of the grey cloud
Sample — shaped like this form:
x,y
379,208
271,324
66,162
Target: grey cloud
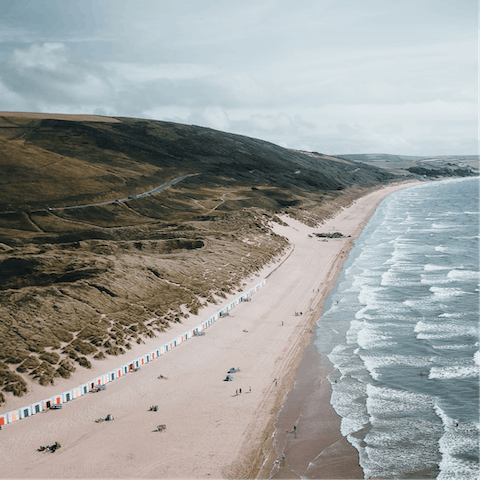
x,y
52,74
332,76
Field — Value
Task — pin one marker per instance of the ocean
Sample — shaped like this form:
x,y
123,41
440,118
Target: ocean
x,y
402,331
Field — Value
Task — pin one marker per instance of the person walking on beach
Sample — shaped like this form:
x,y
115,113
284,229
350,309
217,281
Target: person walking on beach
x,y
249,389
240,391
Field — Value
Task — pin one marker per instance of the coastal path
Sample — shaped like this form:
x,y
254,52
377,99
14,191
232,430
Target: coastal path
x,y
127,199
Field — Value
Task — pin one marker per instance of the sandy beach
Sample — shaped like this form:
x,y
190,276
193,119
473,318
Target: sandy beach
x,y
212,431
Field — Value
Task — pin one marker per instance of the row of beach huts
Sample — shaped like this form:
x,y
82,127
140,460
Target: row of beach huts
x,y
93,385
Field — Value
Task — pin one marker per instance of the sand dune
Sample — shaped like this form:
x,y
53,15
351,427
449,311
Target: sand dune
x,y
211,431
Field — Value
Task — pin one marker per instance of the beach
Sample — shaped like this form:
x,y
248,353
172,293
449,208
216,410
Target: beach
x,y
213,431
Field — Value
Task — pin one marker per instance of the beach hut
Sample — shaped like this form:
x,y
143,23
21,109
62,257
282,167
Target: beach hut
x,y
77,392
36,408
13,416
24,412
3,420
112,375
67,396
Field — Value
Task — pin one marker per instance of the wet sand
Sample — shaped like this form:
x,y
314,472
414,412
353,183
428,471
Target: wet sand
x,y
315,449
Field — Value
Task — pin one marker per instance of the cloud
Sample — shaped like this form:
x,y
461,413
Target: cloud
x,y
51,75
343,76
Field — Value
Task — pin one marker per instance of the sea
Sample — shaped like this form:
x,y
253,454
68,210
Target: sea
x,y
401,328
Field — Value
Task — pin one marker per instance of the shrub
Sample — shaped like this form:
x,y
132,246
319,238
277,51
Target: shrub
x,y
45,373
28,364
68,350
62,334
15,383
83,347
84,362
65,369
15,356
50,357
112,350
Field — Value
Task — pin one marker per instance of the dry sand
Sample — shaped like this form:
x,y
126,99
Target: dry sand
x,y
211,431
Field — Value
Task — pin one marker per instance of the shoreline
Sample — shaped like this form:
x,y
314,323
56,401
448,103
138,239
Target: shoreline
x,y
339,457
212,431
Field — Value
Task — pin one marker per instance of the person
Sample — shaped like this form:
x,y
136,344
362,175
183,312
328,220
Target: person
x,y
240,390
282,322
249,389
236,392
294,428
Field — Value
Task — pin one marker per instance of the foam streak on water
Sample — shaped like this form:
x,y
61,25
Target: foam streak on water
x,y
402,331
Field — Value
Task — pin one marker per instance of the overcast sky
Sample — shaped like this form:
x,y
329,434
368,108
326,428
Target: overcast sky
x,y
332,76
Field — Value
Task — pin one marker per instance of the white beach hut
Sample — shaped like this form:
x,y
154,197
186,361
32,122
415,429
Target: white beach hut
x,y
13,416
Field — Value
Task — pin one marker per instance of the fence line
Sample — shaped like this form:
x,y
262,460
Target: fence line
x,y
119,372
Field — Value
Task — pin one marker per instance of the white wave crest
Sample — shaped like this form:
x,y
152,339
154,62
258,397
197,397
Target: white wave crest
x,y
458,438
374,363
476,358
463,274
454,371
443,292
443,330
430,267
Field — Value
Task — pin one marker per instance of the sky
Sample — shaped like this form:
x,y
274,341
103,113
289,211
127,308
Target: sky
x,y
331,76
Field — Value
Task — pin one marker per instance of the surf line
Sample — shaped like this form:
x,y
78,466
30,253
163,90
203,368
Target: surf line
x,y
99,383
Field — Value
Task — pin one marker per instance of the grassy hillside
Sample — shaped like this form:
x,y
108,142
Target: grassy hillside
x,y
77,284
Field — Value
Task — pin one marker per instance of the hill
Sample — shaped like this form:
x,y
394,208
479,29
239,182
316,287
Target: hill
x,y
113,228
423,167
